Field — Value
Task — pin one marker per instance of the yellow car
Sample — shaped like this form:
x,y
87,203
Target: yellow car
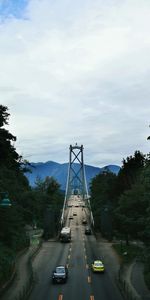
x,y
97,266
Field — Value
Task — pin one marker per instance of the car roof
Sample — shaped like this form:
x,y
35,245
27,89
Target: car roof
x,y
60,267
97,262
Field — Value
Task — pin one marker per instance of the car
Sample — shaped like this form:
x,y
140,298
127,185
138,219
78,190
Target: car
x,y
84,221
87,230
98,266
60,274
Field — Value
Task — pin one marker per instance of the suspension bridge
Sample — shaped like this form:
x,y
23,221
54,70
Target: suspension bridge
x,y
76,183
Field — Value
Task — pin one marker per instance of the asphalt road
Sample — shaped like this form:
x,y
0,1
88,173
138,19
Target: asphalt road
x,y
82,284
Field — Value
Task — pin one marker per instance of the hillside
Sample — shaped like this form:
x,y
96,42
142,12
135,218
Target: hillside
x,y
60,171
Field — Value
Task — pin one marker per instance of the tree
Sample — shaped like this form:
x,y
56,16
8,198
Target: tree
x,y
103,191
129,172
132,212
12,233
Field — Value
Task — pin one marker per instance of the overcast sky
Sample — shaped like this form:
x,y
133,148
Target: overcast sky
x,y
76,71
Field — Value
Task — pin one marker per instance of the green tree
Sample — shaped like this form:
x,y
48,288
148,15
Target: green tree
x,y
12,179
103,191
129,172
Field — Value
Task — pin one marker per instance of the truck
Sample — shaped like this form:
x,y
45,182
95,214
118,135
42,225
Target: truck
x,y
65,234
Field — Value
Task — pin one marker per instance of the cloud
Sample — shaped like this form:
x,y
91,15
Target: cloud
x,y
77,72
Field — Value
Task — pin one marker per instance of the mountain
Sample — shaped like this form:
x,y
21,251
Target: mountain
x,y
60,171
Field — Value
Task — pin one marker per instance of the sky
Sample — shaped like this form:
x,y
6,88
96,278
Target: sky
x,y
76,72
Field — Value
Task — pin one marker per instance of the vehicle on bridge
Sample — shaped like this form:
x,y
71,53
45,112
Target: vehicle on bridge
x,y
65,234
98,266
87,230
74,213
84,221
60,274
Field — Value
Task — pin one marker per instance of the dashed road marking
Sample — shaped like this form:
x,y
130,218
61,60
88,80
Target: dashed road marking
x,y
89,279
87,266
68,256
60,297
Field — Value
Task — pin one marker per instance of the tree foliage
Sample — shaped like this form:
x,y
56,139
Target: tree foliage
x,y
103,191
129,195
130,171
28,205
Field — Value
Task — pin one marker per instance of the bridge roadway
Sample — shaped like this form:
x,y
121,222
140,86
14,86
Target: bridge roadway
x,y
82,284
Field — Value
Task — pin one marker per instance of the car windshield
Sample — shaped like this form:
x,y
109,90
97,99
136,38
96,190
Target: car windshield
x,y
60,270
98,264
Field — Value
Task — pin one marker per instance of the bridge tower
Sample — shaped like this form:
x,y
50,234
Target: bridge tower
x,y
76,179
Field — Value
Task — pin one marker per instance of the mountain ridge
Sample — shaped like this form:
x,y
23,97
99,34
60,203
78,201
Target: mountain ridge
x,y
60,170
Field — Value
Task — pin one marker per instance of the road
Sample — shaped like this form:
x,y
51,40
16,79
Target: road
x,y
82,284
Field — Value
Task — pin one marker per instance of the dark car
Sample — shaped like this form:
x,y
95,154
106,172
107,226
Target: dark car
x,y
87,230
60,274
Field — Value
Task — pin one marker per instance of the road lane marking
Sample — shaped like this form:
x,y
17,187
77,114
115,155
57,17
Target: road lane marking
x,y
60,297
87,266
70,249
92,297
67,265
68,256
85,256
89,279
